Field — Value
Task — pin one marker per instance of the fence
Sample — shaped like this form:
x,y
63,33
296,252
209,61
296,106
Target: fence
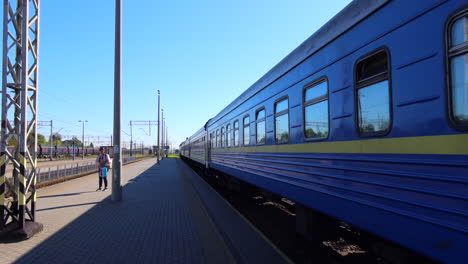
x,y
67,170
53,173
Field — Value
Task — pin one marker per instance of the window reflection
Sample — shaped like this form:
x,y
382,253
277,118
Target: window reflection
x,y
458,55
223,142
316,111
316,91
261,132
228,135
281,106
236,133
459,80
282,128
261,114
246,131
373,107
316,124
460,31
373,95
282,121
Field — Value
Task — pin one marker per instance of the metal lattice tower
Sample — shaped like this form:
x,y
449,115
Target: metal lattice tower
x,y
19,117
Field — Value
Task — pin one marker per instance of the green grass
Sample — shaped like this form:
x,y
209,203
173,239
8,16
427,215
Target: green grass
x,y
173,156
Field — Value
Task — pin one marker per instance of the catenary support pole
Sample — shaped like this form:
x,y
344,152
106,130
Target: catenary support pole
x,y
159,131
20,87
117,161
131,139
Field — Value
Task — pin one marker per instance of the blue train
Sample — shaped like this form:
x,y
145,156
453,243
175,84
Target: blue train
x,y
365,122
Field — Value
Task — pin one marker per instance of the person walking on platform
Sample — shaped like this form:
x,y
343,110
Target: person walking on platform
x,y
103,162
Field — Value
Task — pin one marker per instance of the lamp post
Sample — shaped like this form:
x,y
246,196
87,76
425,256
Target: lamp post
x,y
82,138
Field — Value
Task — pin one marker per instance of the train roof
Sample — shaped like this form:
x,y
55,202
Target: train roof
x,y
351,15
197,134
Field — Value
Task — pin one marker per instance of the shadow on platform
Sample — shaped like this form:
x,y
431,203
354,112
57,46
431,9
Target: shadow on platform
x,y
61,195
168,215
148,226
65,206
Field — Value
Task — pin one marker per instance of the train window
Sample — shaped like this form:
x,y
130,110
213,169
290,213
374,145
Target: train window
x,y
282,121
246,130
228,135
458,63
223,137
261,129
373,94
217,139
236,133
213,140
316,110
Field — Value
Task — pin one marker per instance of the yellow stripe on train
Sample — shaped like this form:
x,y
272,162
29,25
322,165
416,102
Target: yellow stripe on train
x,y
444,144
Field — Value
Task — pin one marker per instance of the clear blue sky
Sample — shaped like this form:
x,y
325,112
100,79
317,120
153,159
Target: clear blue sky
x,y
192,51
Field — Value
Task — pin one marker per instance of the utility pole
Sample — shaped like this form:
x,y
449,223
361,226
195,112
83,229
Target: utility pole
x,y
159,132
117,164
82,149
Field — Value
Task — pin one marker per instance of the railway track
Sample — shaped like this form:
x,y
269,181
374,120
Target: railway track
x,y
276,219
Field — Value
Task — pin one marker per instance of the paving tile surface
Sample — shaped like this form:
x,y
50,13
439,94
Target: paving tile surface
x,y
162,219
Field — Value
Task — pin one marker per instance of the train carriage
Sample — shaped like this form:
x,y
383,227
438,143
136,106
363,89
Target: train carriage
x,y
366,122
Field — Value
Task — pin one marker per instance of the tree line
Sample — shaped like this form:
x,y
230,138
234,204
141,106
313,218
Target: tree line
x,y
57,141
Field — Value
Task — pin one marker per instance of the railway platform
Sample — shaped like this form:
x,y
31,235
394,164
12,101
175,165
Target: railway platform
x,y
168,215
